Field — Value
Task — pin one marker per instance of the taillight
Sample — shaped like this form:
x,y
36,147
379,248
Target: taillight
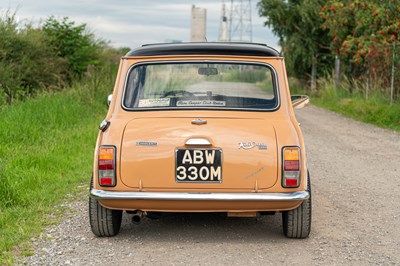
x,y
106,166
291,167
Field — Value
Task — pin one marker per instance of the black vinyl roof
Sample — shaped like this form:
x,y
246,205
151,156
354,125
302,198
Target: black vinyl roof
x,y
205,48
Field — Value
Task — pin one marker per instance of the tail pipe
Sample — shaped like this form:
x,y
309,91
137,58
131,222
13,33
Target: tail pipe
x,y
138,216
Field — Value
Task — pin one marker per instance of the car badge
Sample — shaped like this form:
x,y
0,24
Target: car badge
x,y
146,143
251,145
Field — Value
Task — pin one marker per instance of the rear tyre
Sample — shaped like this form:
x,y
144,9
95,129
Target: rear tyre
x,y
103,221
297,222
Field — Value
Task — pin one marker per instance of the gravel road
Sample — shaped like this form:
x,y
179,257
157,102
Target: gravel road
x,y
355,170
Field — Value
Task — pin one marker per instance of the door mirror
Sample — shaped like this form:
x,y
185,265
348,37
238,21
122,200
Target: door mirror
x,y
109,98
300,101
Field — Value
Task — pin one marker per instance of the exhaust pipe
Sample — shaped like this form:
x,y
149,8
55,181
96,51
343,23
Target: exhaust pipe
x,y
137,217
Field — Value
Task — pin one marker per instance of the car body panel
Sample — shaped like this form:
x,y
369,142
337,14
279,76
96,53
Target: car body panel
x,y
241,167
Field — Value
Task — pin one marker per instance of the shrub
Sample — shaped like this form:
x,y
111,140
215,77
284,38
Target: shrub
x,y
27,62
74,43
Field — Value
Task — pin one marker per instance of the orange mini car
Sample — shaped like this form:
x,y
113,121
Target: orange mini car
x,y
201,127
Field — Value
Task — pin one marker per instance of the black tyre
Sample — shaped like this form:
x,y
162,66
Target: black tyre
x,y
103,221
297,222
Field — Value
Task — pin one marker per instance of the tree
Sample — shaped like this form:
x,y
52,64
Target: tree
x,y
364,33
298,25
73,43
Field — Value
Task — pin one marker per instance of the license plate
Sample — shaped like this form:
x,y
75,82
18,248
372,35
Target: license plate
x,y
198,165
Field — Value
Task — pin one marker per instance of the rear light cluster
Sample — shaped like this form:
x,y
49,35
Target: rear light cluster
x,y
291,167
106,166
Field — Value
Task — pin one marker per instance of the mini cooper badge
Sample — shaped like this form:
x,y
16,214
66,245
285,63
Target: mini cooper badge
x,y
251,145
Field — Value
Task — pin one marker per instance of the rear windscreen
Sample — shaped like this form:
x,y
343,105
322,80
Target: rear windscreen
x,y
201,86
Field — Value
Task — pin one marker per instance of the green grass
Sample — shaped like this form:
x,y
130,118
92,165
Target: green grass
x,y
46,151
376,110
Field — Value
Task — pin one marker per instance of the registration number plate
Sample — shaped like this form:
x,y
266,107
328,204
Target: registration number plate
x,y
198,165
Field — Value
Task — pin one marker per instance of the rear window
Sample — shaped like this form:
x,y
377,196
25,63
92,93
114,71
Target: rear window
x,y
201,86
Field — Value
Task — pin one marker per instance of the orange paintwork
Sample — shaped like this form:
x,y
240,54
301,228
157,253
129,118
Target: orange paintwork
x,y
152,169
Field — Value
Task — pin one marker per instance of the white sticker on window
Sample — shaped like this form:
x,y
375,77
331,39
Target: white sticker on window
x,y
200,103
154,102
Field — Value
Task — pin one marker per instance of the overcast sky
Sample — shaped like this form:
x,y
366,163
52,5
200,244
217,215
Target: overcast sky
x,y
131,23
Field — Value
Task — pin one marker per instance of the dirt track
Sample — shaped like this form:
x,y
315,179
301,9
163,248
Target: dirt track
x,y
355,170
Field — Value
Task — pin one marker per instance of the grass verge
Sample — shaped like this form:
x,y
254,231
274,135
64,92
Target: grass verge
x,y
376,110
46,151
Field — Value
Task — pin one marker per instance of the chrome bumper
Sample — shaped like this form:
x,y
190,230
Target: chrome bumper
x,y
198,196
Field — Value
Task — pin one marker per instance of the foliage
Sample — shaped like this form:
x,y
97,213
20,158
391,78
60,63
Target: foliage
x,y
74,43
46,152
375,110
298,25
27,61
296,87
364,33
46,142
49,58
362,30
